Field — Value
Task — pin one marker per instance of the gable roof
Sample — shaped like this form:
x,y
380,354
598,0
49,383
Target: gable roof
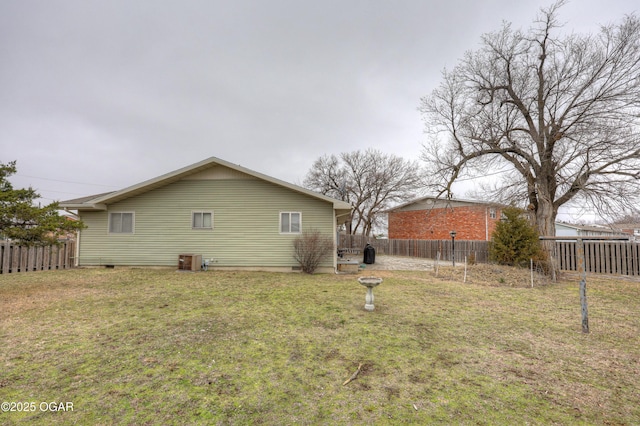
x,y
100,201
83,200
579,227
433,201
587,230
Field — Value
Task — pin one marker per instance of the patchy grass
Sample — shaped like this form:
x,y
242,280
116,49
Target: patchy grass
x,y
164,347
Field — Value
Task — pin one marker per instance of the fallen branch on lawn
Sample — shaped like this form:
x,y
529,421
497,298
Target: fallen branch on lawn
x,y
353,376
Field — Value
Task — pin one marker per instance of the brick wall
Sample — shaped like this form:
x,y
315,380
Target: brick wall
x,y
469,222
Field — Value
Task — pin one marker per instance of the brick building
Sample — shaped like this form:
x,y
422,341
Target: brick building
x,y
431,218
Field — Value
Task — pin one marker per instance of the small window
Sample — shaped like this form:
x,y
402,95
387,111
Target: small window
x,y
290,222
492,213
121,223
202,220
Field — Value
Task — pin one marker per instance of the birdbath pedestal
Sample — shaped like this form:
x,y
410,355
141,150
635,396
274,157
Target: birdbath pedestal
x,y
370,283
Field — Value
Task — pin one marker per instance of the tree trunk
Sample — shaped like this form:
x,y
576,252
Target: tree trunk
x,y
545,224
545,218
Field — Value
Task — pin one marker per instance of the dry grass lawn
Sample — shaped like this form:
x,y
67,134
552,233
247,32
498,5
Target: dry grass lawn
x,y
135,346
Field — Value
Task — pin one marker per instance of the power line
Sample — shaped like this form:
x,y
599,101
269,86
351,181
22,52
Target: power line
x,y
59,192
66,181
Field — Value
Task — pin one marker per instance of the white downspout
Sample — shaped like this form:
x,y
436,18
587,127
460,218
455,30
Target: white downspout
x,y
335,242
76,261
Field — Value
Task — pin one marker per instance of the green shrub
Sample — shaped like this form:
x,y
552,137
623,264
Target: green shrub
x,y
514,240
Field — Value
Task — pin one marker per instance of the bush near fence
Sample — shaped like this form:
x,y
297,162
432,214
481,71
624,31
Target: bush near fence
x,y
601,257
16,258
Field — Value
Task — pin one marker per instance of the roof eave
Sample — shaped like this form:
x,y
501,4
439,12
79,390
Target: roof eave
x,y
100,201
430,197
85,207
194,168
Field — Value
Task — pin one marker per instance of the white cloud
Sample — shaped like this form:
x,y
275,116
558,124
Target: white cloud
x,y
117,92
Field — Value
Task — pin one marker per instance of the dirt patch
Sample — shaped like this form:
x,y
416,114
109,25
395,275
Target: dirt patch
x,y
399,263
482,274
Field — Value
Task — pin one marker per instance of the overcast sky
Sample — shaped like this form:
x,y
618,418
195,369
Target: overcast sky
x,y
99,95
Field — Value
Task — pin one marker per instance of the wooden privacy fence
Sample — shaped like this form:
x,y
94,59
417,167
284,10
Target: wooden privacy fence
x,y
600,257
15,258
427,249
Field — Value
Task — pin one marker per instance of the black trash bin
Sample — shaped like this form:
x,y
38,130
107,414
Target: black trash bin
x,y
369,254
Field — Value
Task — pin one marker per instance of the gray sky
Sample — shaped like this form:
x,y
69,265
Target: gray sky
x,y
99,95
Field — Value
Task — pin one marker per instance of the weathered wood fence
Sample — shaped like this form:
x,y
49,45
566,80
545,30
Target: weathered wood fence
x,y
15,258
601,257
427,249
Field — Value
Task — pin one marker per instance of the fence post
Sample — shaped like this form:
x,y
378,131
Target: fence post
x,y
583,286
465,270
531,263
5,261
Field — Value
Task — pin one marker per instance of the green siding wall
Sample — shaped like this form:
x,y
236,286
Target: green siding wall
x,y
245,226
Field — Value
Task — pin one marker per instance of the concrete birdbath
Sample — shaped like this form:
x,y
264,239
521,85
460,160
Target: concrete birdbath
x,y
370,283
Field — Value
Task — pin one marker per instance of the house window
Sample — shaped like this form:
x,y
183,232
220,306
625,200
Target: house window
x,y
121,223
492,213
202,220
290,222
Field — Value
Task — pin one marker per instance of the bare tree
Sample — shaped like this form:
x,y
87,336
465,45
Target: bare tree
x,y
627,217
310,248
371,181
558,113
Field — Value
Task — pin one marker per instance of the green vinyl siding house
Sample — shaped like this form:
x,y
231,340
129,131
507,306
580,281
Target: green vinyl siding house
x,y
238,218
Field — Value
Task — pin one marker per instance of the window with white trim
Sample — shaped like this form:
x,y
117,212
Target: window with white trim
x,y
202,220
121,222
290,222
492,213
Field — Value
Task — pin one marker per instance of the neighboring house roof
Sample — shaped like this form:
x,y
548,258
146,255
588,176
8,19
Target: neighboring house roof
x,y
100,201
588,229
627,227
83,200
429,202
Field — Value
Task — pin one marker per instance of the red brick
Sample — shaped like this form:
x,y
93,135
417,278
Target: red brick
x,y
469,222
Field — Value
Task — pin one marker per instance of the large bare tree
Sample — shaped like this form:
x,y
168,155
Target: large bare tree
x,y
558,113
370,180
